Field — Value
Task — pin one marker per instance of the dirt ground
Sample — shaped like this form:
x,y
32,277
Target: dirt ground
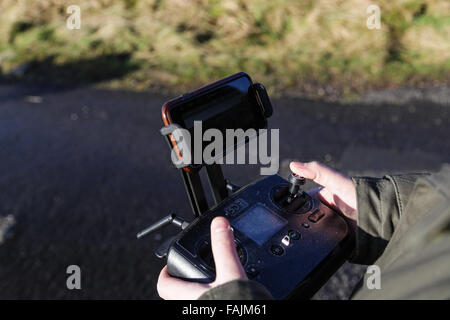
x,y
83,170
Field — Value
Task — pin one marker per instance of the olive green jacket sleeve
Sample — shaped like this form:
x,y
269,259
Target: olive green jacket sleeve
x,y
380,204
404,233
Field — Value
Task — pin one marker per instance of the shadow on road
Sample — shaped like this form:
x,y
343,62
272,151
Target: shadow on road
x,y
62,76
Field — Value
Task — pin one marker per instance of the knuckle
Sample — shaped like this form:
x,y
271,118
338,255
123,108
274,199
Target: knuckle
x,y
224,240
314,164
315,167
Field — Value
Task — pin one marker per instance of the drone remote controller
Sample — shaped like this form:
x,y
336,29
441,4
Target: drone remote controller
x,y
285,239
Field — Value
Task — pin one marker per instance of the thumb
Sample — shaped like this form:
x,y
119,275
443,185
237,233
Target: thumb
x,y
228,265
318,173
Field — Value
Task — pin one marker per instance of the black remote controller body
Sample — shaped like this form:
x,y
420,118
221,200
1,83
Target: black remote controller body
x,y
291,247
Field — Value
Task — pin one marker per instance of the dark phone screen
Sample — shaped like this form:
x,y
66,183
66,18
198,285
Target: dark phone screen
x,y
231,105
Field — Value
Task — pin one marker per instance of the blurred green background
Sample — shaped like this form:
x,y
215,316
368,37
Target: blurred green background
x,y
294,47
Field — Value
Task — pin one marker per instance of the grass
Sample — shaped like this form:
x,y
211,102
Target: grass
x,y
297,47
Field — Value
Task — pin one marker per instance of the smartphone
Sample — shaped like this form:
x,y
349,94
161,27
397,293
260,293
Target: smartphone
x,y
230,103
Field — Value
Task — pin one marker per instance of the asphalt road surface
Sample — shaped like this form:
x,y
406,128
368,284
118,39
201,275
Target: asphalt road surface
x,y
82,170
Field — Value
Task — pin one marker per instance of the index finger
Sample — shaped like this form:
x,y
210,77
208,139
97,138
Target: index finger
x,y
319,173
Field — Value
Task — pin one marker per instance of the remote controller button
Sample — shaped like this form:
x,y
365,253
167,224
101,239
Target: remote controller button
x,y
294,235
252,270
277,249
316,216
305,225
286,241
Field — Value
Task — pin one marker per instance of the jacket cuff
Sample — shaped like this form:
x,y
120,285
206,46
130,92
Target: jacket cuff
x,y
370,242
237,290
380,204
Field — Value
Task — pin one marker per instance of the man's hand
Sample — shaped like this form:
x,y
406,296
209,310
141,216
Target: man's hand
x,y
337,190
228,266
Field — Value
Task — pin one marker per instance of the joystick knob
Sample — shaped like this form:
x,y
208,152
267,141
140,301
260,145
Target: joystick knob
x,y
295,181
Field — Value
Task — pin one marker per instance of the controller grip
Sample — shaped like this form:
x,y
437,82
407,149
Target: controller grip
x,y
178,266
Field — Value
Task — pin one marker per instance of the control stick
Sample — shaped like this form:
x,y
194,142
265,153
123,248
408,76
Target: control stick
x,y
295,181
